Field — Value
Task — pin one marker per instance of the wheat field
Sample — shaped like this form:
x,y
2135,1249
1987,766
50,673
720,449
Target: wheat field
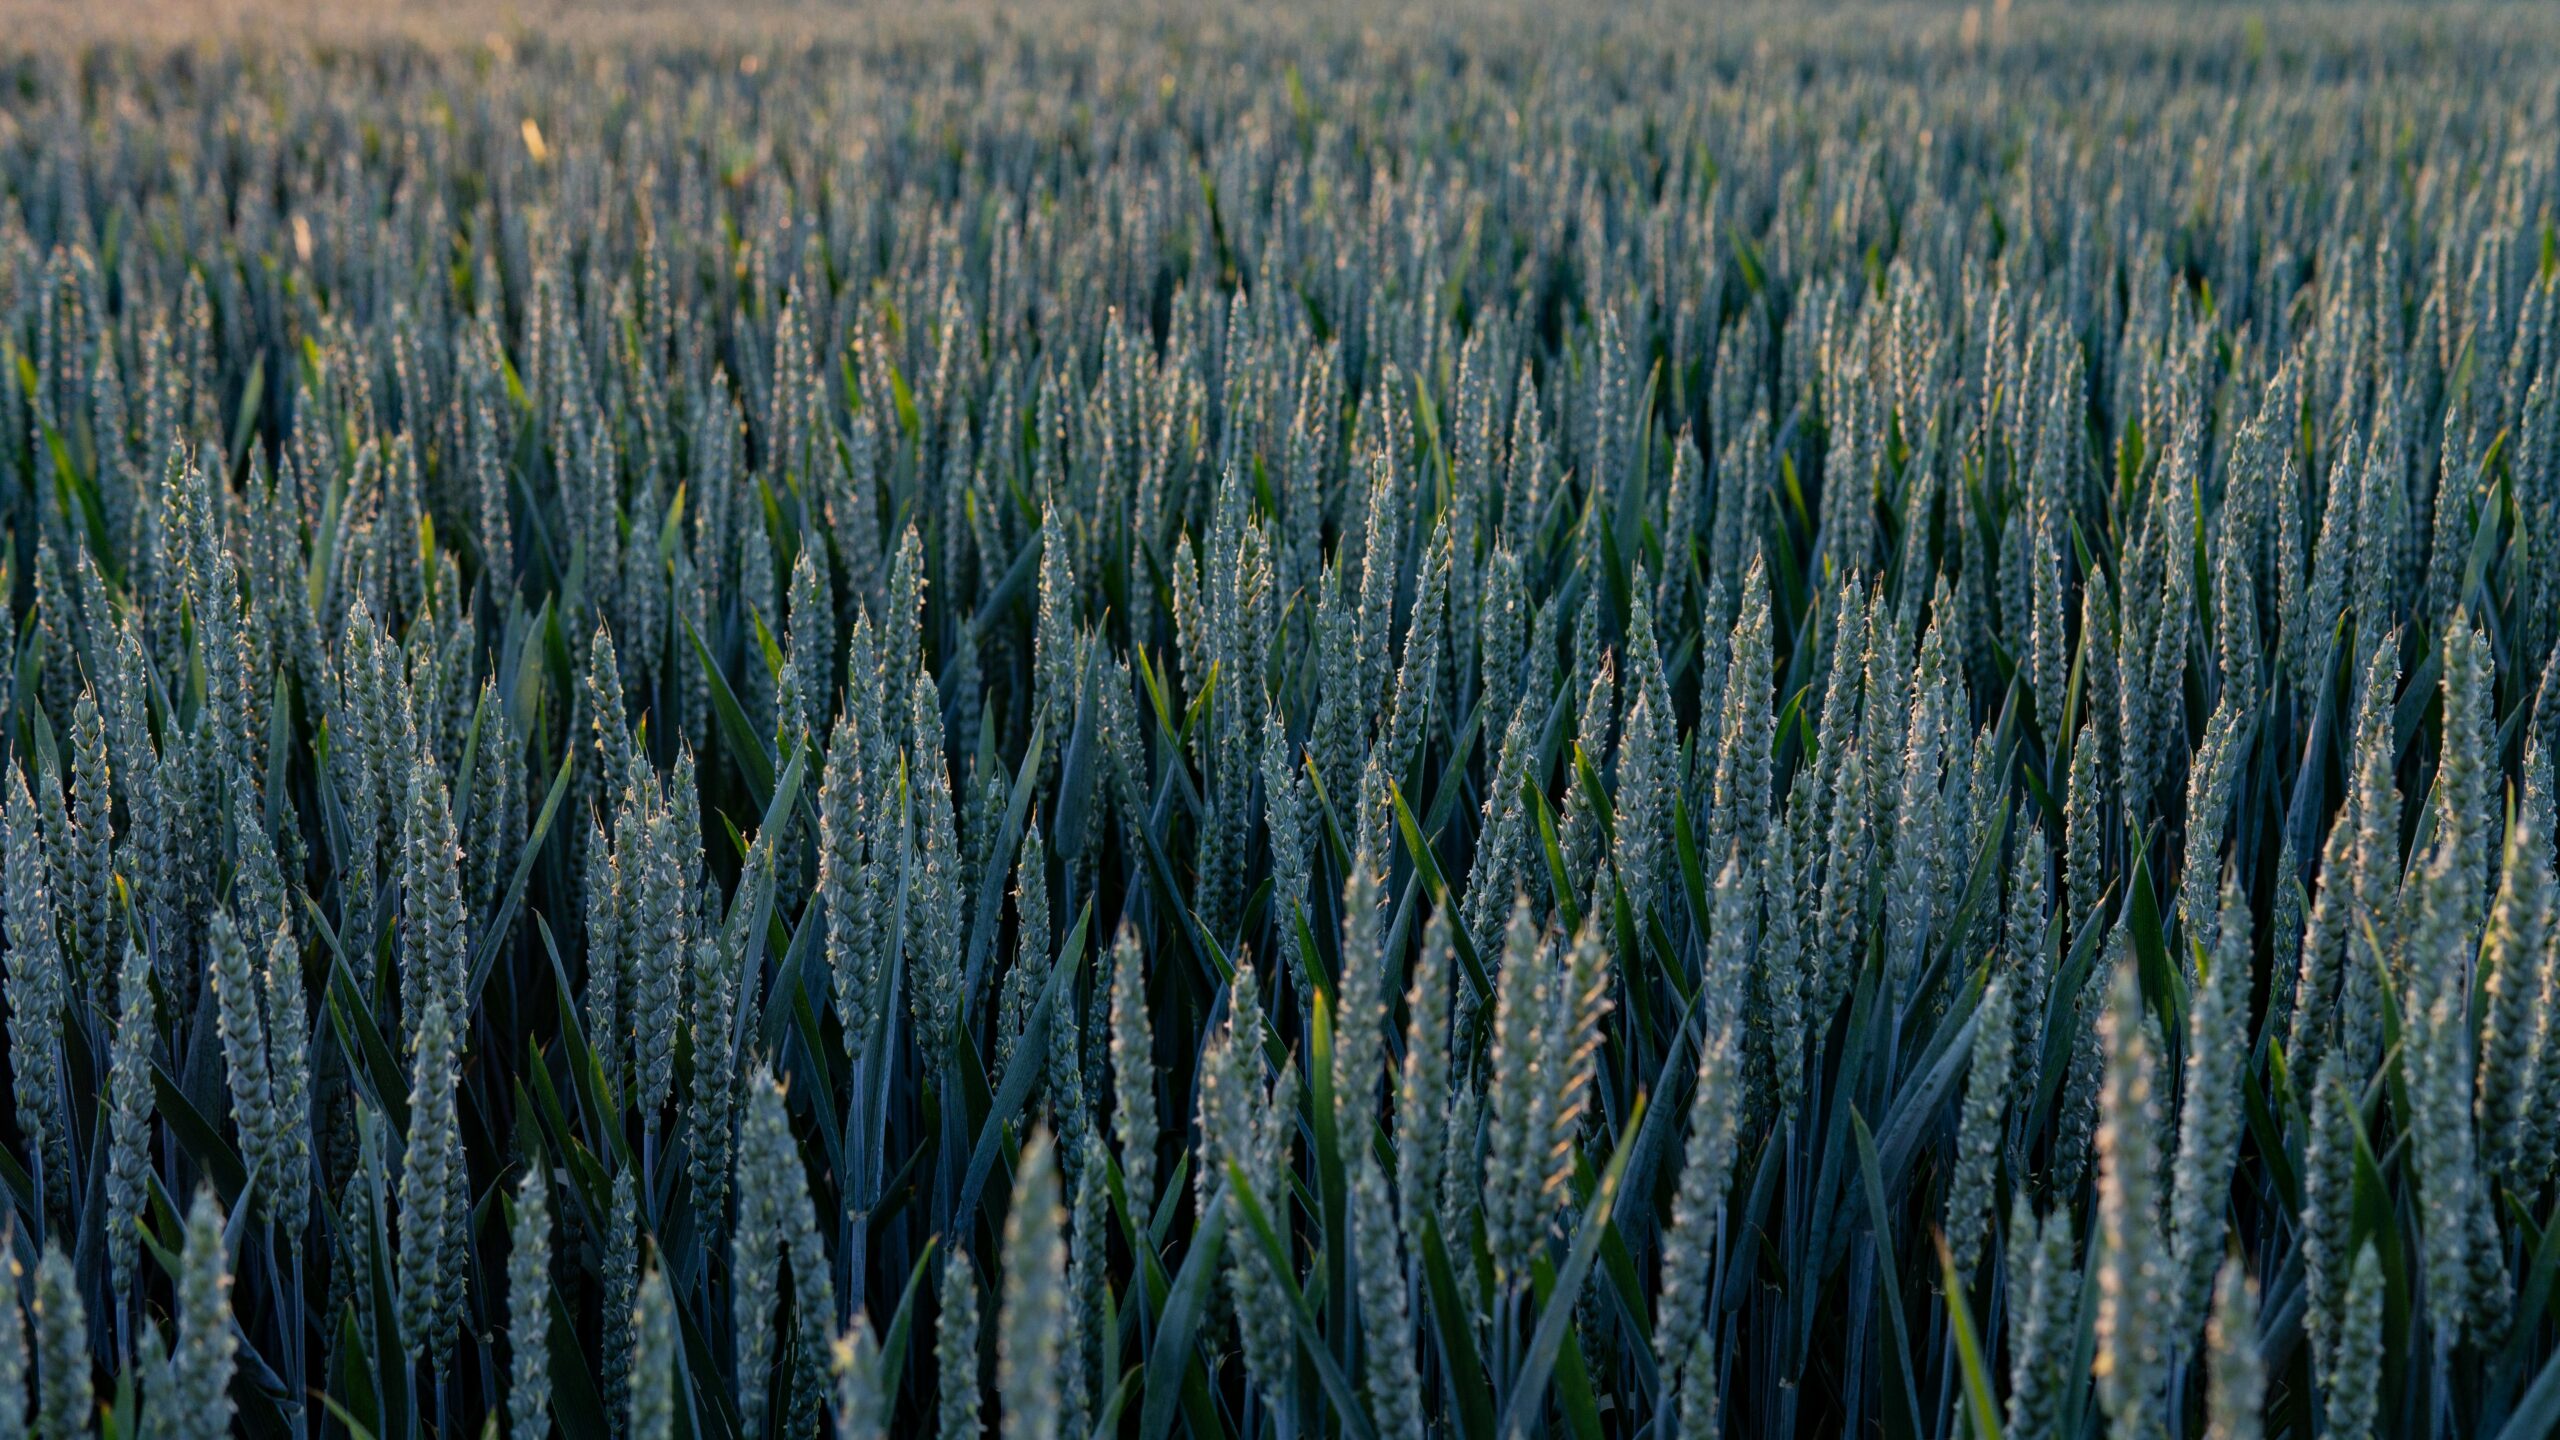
x,y
1333,723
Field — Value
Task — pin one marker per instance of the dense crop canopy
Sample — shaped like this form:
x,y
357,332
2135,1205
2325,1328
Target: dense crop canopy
x,y
1489,722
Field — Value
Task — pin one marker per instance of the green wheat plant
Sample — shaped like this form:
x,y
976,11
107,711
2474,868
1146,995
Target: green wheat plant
x,y
1373,723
